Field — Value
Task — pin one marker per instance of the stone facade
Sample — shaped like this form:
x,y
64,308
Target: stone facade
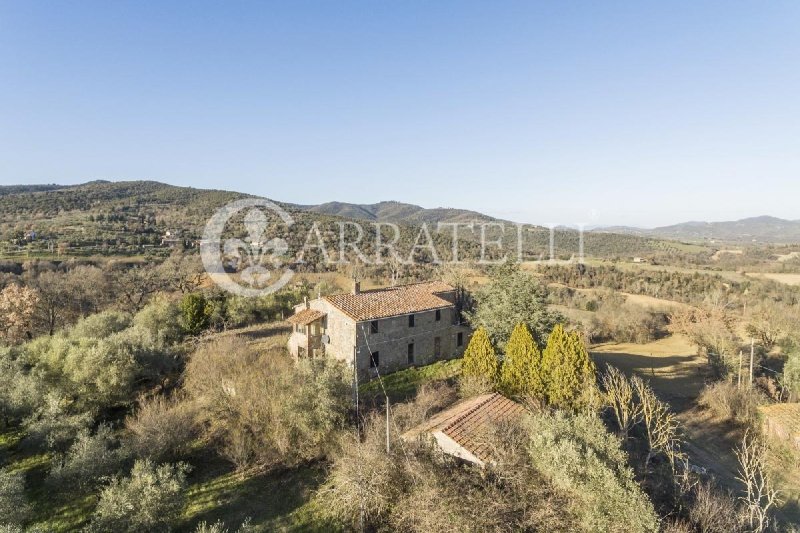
x,y
398,341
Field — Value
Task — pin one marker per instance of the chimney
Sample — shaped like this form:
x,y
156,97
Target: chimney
x,y
356,287
305,301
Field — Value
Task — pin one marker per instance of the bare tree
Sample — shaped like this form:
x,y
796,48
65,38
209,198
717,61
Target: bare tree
x,y
17,309
136,284
760,494
182,272
661,425
621,399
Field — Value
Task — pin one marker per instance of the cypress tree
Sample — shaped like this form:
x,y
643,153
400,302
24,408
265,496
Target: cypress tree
x,y
569,372
521,372
480,359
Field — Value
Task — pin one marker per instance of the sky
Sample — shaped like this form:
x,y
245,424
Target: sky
x,y
603,113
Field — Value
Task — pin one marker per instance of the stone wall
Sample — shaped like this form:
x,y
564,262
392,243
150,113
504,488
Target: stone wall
x,y
391,341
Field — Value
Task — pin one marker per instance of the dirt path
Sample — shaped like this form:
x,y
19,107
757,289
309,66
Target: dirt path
x,y
678,375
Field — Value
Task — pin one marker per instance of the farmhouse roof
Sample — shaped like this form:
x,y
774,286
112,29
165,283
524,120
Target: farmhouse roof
x,y
306,317
392,301
468,421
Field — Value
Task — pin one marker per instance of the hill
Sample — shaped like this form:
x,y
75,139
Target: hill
x,y
131,217
397,212
762,229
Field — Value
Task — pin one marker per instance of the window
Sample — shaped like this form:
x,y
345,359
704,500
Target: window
x,y
411,321
299,328
374,359
438,315
460,339
411,353
373,326
437,346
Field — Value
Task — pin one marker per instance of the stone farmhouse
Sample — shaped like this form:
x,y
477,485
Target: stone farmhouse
x,y
381,330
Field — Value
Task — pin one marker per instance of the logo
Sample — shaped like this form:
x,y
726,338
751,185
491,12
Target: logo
x,y
255,265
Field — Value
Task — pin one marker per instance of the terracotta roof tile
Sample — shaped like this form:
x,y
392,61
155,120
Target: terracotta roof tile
x,y
468,421
392,301
306,316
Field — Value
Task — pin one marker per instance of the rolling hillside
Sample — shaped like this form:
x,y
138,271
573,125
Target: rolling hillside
x,y
125,218
763,229
397,212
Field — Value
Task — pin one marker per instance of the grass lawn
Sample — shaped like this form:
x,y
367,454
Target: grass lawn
x,y
68,512
403,384
272,501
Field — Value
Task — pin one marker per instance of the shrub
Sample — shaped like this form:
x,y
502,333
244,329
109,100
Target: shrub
x,y
162,428
713,511
54,426
219,527
162,320
150,499
431,398
90,458
414,490
579,456
261,408
195,313
14,507
730,402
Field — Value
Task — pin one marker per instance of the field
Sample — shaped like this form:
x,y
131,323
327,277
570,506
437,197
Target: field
x,y
788,279
671,364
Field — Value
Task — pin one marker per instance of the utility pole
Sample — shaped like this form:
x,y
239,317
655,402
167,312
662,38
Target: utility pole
x,y
739,379
752,356
355,385
387,425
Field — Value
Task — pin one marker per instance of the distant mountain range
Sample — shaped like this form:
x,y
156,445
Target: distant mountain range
x,y
763,229
396,212
59,208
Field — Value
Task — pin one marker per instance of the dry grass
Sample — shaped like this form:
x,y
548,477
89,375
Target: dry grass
x,y
788,279
671,364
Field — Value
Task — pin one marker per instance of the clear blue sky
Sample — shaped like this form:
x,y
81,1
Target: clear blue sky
x,y
642,113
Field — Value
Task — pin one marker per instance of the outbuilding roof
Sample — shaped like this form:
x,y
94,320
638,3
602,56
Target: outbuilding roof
x,y
468,422
392,301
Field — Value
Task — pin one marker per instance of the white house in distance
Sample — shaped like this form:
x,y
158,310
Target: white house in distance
x,y
381,330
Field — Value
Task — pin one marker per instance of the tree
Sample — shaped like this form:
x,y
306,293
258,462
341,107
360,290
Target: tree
x,y
14,507
17,309
136,284
760,495
480,359
660,424
149,500
90,458
512,296
261,408
195,313
522,366
580,457
183,272
713,329
567,370
620,398
54,308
